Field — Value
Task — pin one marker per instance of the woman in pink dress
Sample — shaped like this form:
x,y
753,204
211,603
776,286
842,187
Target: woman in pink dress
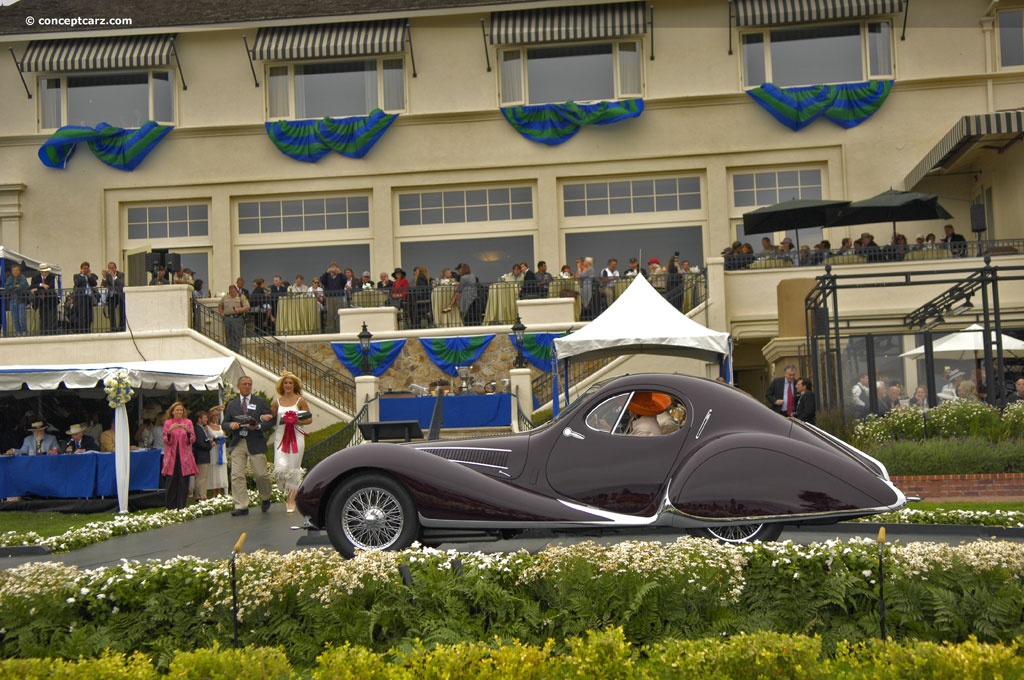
x,y
178,463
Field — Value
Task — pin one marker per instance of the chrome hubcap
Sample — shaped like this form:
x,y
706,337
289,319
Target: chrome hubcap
x,y
372,519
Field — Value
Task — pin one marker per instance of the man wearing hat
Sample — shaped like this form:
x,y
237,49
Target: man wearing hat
x,y
868,248
37,443
79,441
45,298
399,289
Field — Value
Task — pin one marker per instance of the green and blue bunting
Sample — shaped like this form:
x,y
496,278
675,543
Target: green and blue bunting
x,y
121,148
553,124
846,105
382,355
311,140
537,348
450,353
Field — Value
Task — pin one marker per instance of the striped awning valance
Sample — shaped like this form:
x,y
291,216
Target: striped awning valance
x,y
560,24
778,12
93,54
352,39
962,136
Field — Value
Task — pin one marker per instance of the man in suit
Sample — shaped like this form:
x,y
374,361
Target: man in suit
x,y
782,392
79,441
37,443
806,409
46,298
85,295
246,439
956,243
113,281
529,288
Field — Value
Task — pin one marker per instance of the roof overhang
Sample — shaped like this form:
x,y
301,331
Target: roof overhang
x,y
972,135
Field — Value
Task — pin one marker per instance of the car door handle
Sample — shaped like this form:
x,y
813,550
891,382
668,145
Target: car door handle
x,y
569,432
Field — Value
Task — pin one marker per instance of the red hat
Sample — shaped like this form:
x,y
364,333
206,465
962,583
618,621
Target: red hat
x,y
653,260
649,403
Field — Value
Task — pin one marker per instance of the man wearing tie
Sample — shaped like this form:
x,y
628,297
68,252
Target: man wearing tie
x,y
245,419
80,441
782,392
38,443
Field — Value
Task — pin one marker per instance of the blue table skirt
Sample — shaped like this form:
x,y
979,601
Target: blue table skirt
x,y
144,474
473,410
78,475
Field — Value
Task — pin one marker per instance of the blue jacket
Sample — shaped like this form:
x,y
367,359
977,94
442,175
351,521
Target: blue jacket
x,y
28,447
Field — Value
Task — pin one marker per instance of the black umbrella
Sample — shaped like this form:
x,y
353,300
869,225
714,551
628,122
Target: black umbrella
x,y
892,206
795,214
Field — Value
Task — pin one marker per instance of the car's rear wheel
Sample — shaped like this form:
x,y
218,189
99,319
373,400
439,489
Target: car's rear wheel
x,y
741,533
371,512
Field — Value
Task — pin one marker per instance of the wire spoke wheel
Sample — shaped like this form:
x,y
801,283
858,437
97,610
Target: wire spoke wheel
x,y
372,519
743,533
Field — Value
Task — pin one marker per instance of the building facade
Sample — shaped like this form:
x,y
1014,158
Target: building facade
x,y
446,110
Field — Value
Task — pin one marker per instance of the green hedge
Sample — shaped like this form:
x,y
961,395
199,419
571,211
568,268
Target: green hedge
x,y
949,420
960,456
690,589
605,654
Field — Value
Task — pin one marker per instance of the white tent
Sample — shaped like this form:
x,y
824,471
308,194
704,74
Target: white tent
x,y
641,321
967,344
199,374
29,263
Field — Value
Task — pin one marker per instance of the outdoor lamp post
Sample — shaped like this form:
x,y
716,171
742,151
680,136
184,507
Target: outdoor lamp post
x,y
518,330
364,346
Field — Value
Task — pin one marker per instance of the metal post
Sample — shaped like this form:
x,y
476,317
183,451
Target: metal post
x,y
234,586
869,349
881,582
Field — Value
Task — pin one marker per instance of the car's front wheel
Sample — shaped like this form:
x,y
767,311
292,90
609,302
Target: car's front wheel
x,y
741,533
371,512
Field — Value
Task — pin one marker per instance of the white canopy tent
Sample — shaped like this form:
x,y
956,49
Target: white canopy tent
x,y
641,321
197,374
967,344
30,266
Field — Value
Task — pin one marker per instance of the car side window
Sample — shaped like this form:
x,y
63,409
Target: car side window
x,y
653,414
608,416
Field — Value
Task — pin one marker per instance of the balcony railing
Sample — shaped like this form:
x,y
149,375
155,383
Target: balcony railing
x,y
872,255
61,312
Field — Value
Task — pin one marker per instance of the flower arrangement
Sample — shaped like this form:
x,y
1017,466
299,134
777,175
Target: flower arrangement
x,y
118,389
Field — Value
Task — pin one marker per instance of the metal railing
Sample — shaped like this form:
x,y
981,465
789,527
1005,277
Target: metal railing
x,y
275,355
877,254
62,312
350,435
578,371
525,422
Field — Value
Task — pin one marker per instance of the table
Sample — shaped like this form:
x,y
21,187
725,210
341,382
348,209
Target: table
x,y
440,299
460,410
297,315
502,299
406,430
930,254
370,298
566,288
78,475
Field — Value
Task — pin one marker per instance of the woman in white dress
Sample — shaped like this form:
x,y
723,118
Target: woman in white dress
x,y
217,476
290,410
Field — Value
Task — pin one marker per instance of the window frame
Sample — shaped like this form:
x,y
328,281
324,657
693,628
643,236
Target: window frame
x,y
466,226
524,80
302,236
63,77
638,216
864,28
378,59
999,37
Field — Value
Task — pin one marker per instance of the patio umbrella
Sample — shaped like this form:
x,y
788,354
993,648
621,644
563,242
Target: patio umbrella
x,y
795,214
967,344
892,206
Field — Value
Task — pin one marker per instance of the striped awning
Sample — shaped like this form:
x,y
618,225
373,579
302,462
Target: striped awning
x,y
93,54
561,24
779,12
357,38
990,127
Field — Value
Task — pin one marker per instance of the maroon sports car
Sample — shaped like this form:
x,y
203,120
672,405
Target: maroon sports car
x,y
649,450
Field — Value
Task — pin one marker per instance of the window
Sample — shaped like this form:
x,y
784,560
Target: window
x,y
620,197
814,55
124,99
304,214
168,221
754,189
456,206
1011,38
335,88
638,414
579,73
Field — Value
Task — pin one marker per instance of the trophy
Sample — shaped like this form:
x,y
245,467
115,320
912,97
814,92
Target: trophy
x,y
464,376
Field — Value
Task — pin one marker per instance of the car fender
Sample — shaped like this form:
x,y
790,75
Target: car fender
x,y
443,490
727,477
